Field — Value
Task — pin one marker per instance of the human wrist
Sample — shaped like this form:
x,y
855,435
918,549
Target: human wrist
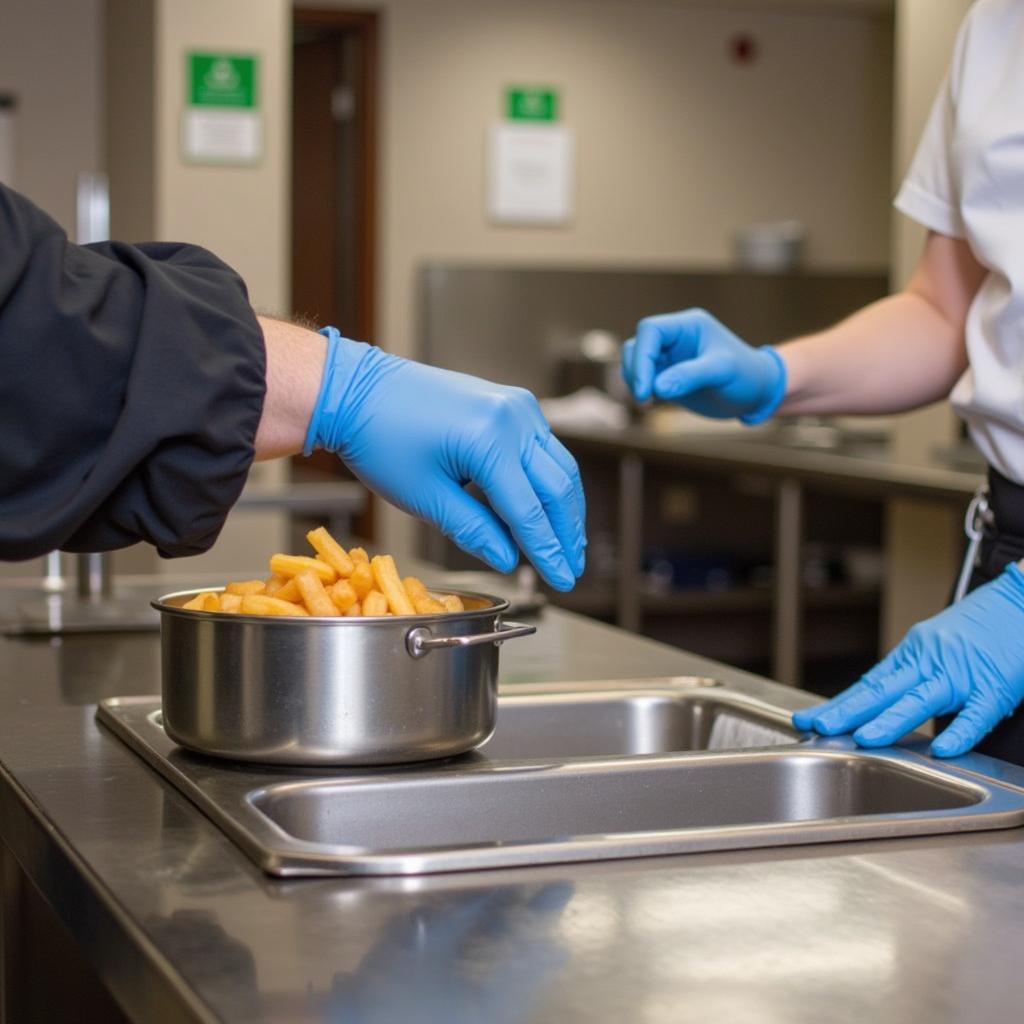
x,y
346,364
798,360
295,364
773,388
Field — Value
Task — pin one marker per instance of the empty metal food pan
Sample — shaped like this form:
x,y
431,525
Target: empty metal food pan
x,y
331,691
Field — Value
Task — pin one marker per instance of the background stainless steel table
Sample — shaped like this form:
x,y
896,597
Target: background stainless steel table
x,y
852,467
180,926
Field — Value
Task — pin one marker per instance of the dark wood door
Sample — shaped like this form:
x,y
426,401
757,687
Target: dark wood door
x,y
333,264
315,181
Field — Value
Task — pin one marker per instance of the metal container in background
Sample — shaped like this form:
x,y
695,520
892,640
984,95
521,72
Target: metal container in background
x,y
771,248
595,361
331,691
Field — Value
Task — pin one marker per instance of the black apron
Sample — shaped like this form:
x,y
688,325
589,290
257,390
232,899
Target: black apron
x,y
1003,543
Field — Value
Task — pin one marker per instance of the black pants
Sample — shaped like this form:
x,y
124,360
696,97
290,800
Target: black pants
x,y
1003,543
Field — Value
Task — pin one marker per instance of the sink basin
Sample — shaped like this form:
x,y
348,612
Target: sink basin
x,y
443,820
587,723
580,772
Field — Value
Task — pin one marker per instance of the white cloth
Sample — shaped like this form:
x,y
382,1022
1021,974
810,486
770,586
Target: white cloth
x,y
967,181
583,410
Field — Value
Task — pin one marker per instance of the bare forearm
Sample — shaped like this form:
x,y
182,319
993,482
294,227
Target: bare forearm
x,y
900,353
896,354
295,363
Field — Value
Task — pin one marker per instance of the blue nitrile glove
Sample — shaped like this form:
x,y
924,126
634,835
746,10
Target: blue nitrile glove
x,y
968,658
692,359
416,435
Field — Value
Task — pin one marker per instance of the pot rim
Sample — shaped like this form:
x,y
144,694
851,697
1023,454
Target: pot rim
x,y
495,606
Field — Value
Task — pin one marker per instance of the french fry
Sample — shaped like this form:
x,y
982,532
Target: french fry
x,y
390,585
420,597
361,579
343,596
375,603
330,551
246,587
334,582
274,583
314,597
292,565
260,604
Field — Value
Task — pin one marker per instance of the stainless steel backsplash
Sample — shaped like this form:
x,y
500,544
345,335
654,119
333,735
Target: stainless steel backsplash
x,y
518,325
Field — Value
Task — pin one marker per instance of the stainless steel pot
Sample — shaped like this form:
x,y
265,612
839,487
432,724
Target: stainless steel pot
x,y
332,691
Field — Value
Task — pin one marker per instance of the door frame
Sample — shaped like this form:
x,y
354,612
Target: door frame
x,y
366,25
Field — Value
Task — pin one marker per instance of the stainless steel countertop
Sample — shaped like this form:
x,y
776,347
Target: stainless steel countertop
x,y
867,468
182,927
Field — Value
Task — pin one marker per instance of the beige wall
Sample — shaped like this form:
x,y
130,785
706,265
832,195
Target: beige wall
x,y
924,540
240,212
676,146
49,57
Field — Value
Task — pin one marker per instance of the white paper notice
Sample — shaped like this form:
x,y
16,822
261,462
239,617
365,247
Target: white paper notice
x,y
221,136
530,174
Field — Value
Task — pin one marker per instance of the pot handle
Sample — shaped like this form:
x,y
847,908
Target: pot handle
x,y
420,641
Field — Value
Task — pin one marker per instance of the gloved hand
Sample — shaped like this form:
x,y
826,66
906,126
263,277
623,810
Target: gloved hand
x,y
416,435
968,658
692,359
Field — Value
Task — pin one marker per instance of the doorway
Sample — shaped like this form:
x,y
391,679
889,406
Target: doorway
x,y
334,134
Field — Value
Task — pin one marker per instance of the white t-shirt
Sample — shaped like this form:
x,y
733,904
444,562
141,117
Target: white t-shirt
x,y
967,181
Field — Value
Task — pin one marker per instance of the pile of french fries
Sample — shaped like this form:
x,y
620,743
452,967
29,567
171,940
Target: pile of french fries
x,y
334,582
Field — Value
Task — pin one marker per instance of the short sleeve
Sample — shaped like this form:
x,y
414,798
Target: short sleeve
x,y
930,193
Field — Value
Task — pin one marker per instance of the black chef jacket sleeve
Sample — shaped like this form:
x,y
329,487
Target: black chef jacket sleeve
x,y
132,380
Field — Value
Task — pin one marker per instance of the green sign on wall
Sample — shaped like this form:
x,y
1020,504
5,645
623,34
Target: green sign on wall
x,y
526,103
221,80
